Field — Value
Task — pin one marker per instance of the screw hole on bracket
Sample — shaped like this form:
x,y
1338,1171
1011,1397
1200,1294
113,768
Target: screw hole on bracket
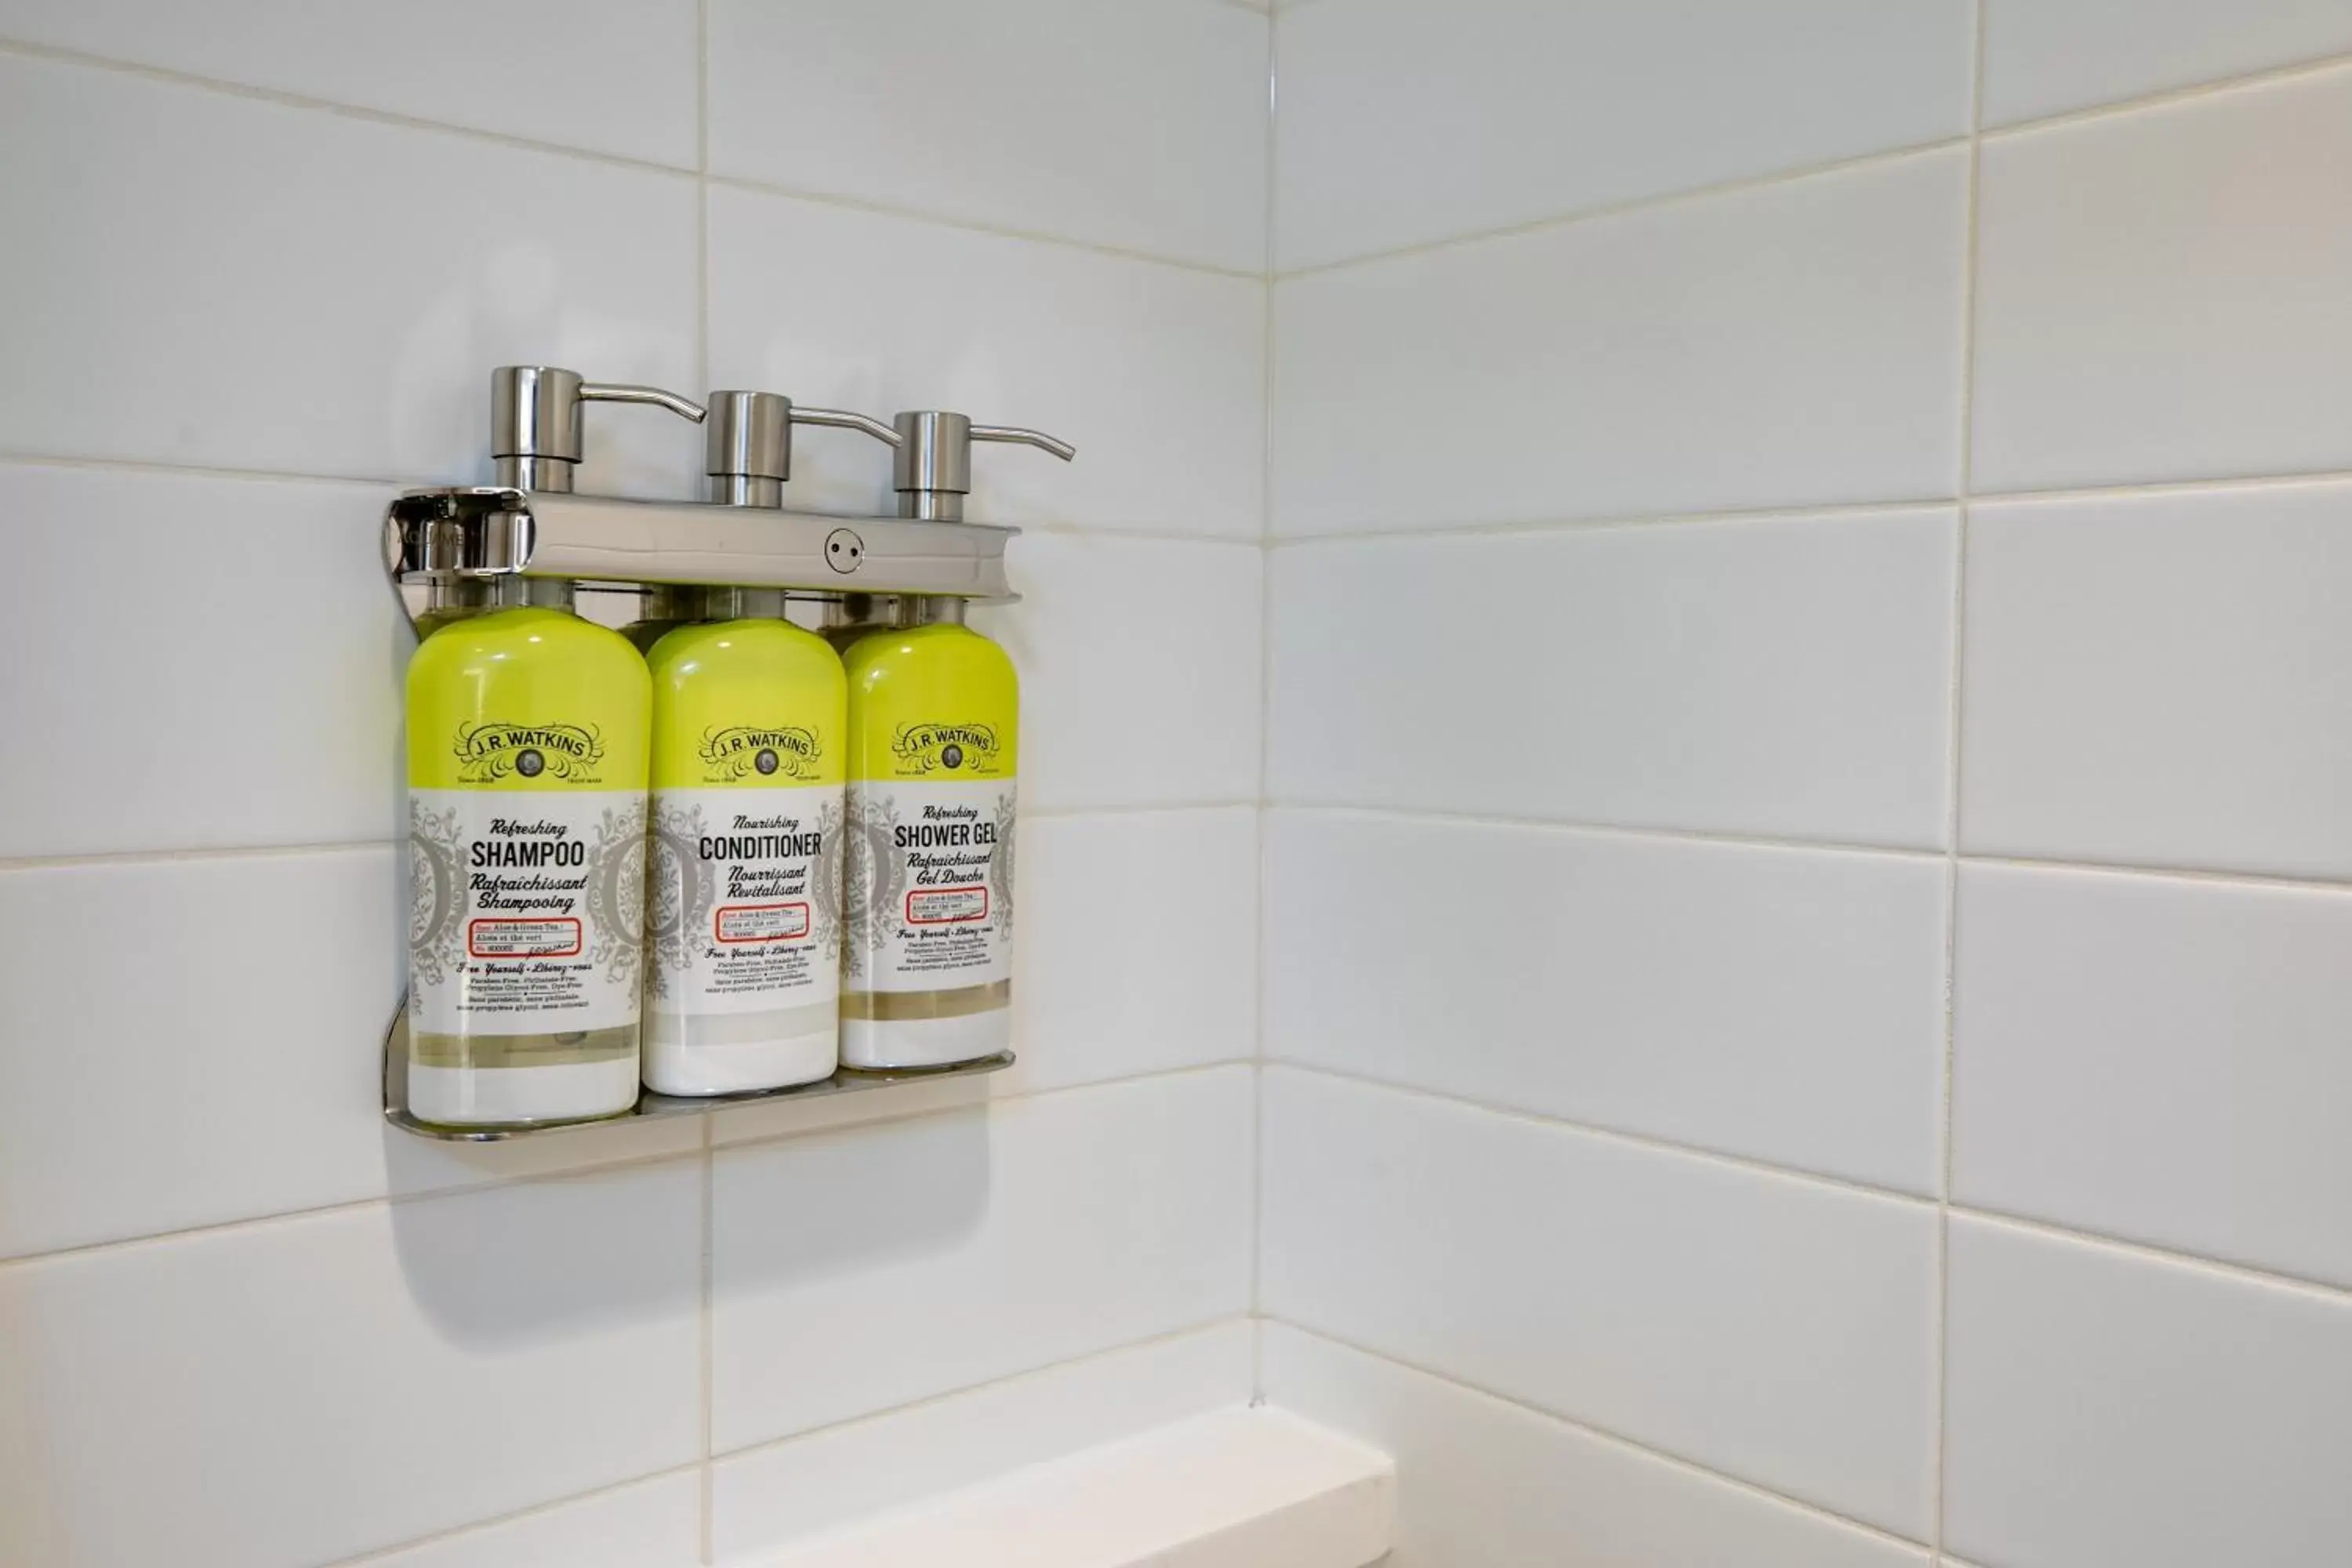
x,y
843,550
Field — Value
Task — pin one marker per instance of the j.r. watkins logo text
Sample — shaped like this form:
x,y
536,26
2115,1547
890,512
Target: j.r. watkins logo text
x,y
748,751
490,752
946,749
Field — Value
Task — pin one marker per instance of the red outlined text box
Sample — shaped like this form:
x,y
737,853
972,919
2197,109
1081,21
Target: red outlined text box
x,y
748,916
941,894
517,944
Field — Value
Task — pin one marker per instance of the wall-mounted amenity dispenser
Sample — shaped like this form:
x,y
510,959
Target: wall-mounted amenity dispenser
x,y
469,557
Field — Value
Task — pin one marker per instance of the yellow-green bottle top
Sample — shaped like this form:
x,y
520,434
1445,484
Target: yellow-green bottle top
x,y
526,699
757,703
940,702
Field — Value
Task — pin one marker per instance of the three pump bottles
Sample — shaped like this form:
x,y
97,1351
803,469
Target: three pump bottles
x,y
714,853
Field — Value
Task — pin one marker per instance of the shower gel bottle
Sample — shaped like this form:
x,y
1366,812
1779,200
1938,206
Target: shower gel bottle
x,y
527,766
743,892
928,966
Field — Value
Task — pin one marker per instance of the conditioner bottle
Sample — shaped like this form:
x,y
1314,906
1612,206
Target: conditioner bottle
x,y
743,893
527,767
928,966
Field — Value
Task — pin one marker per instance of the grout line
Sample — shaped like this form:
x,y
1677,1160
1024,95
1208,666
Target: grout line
x,y
58,55
706,1503
2220,486
400,1548
1776,513
975,225
1147,809
2213,484
1095,533
169,857
2252,881
2166,98
365,114
1139,535
195,470
1606,1435
706,1337
2339,1294
1264,721
2244,1275
1939,1436
1166,1337
1748,1165
376,1554
270,851
702,215
2248,880
1612,830
584,1171
589,1169
986,1099
2163,99
1630,206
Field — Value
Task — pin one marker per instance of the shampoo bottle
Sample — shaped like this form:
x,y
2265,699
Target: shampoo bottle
x,y
743,893
527,764
927,964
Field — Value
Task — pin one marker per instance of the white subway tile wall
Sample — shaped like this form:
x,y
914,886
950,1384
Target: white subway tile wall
x,y
654,1523
2048,57
215,281
1771,1328
1172,982
2158,1059
1699,1136
1141,126
308,1388
2155,293
1793,345
808,1485
184,1099
1404,124
2162,680
261,262
1785,678
227,677
957,1248
1814,1004
1140,667
1155,373
2107,1407
1483,1481
624,86
1552,976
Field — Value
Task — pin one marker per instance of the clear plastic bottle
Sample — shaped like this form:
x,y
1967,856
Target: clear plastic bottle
x,y
934,715
527,731
743,892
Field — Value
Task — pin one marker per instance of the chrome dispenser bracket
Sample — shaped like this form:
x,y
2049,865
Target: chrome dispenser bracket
x,y
459,532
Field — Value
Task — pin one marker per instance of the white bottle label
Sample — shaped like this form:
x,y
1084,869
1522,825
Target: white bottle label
x,y
929,884
743,901
525,910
